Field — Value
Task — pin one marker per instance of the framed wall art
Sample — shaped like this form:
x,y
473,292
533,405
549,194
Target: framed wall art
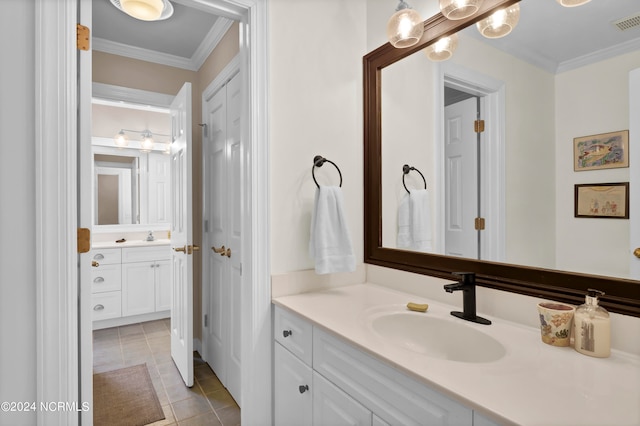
x,y
603,151
602,200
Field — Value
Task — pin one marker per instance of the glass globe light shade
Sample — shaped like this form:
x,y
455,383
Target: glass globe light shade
x,y
442,49
147,141
572,3
404,28
121,139
501,23
459,9
145,10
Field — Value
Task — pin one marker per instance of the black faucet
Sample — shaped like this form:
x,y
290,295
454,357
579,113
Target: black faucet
x,y
467,284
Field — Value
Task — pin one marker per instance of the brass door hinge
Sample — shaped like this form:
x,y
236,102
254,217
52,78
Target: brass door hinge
x,y
84,240
479,223
82,37
478,126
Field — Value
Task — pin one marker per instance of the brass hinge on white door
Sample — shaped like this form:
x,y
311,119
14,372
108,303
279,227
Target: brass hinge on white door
x,y
479,223
84,240
478,126
82,37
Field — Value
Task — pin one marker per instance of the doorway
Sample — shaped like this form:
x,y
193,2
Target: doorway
x,y
254,279
460,83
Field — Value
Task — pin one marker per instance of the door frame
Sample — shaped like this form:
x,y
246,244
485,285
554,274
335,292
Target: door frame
x,y
58,326
492,154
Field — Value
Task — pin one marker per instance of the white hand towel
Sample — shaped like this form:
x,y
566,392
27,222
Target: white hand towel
x,y
420,212
330,244
404,239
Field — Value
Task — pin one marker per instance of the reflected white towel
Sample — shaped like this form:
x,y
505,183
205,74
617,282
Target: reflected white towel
x,y
330,244
403,238
414,221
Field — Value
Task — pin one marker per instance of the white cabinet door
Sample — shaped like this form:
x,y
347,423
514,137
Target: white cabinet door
x,y
331,406
138,288
163,285
292,389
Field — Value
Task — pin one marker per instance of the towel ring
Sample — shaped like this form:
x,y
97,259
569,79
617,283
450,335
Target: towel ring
x,y
318,161
405,171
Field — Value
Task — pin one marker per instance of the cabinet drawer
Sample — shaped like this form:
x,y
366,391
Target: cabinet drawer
x,y
106,305
106,278
145,254
106,256
378,387
293,389
293,333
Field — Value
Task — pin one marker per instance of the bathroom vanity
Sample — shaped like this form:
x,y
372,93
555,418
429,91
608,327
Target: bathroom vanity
x,y
130,282
356,355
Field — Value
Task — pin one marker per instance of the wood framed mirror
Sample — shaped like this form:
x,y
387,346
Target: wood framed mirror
x,y
622,295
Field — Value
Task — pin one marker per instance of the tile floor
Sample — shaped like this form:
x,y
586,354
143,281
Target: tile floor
x,y
206,403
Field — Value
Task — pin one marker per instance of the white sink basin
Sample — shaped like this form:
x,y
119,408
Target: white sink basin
x,y
436,337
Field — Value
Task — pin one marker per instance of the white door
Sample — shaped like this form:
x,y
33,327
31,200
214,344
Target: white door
x,y
181,235
634,172
461,171
223,232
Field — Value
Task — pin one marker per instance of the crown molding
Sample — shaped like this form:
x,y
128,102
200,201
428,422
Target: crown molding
x,y
599,55
219,29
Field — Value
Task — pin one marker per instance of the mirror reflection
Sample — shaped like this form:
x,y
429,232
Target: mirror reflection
x,y
516,178
131,177
117,197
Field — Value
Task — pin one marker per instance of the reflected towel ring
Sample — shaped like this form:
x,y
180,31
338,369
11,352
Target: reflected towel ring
x,y
405,171
318,161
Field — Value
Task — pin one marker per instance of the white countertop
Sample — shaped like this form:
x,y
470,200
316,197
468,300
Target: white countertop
x,y
533,384
129,243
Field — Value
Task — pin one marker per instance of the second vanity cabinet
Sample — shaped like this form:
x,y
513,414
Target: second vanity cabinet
x,y
130,281
320,379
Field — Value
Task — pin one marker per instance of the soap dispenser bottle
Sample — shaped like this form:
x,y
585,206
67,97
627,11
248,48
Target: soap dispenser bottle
x,y
592,328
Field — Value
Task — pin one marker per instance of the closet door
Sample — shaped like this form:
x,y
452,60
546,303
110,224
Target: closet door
x,y
223,232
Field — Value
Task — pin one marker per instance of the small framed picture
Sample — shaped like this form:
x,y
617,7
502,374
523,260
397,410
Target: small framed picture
x,y
603,151
602,200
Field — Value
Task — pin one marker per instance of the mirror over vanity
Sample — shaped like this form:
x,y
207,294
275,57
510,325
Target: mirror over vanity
x,y
131,183
519,177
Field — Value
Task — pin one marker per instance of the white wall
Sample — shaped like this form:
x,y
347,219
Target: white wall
x,y
17,209
530,180
315,58
591,100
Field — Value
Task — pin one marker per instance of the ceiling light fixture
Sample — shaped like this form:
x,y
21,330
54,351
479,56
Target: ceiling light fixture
x,y
145,10
442,49
572,3
405,27
459,9
501,23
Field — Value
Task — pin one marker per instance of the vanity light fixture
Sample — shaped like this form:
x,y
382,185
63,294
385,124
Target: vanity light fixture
x,y
405,27
572,3
501,23
442,49
459,9
121,139
145,10
146,142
